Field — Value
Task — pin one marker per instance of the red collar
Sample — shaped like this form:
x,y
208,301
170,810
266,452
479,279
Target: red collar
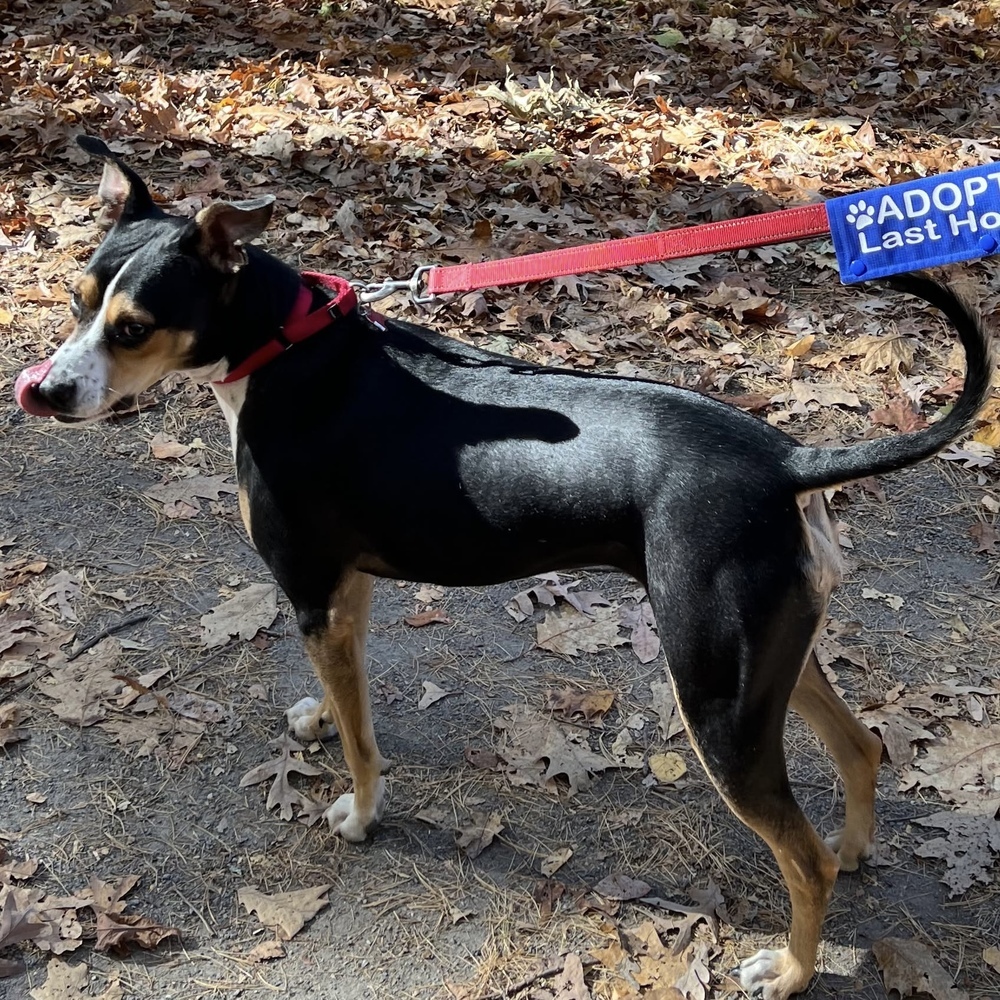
x,y
301,323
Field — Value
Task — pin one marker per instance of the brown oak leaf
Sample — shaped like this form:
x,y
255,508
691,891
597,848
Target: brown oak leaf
x,y
285,912
116,931
281,792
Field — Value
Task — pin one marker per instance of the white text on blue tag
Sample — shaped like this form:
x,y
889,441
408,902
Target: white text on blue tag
x,y
922,223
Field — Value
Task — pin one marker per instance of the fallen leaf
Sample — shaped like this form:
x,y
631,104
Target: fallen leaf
x,y
19,571
570,984
985,536
988,432
892,353
645,642
827,394
428,617
62,982
18,869
286,913
667,767
476,834
428,594
266,951
63,589
968,848
570,632
10,716
678,274
665,706
570,702
546,593
103,897
546,893
18,922
281,792
163,446
638,619
893,601
539,750
694,981
899,731
116,931
971,454
743,303
621,887
432,693
801,347
244,615
484,760
191,705
672,973
611,956
901,414
991,956
181,495
962,767
829,648
83,689
554,861
11,669
908,967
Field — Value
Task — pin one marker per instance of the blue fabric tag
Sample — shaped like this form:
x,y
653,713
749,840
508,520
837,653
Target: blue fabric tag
x,y
935,220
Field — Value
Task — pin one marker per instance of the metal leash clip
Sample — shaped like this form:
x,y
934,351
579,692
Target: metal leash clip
x,y
376,290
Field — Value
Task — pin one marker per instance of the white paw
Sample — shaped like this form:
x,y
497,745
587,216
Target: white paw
x,y
305,723
773,975
850,853
348,822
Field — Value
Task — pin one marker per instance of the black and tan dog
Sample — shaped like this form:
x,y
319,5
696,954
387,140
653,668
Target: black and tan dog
x,y
378,448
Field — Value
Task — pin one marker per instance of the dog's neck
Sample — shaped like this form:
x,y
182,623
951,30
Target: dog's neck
x,y
251,309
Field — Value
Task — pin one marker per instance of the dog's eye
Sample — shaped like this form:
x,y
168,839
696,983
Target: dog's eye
x,y
130,334
75,303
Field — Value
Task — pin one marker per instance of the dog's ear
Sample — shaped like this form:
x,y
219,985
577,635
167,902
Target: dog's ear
x,y
222,227
124,196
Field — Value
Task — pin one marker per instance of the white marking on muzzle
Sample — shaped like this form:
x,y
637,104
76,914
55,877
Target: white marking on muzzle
x,y
84,359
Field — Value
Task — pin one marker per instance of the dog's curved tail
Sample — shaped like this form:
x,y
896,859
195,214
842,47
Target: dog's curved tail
x,y
818,468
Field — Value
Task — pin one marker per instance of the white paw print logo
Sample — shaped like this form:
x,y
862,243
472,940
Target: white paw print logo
x,y
860,215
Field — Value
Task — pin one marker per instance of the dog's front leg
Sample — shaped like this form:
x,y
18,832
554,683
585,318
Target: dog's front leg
x,y
335,641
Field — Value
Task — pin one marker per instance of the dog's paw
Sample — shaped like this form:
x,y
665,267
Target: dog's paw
x,y
850,849
773,975
306,722
349,822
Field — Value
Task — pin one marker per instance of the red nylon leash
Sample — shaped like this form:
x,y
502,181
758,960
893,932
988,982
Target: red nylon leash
x,y
730,234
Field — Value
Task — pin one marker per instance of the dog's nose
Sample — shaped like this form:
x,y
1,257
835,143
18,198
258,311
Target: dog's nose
x,y
60,395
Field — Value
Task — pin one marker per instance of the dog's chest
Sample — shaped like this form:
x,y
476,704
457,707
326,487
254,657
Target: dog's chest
x,y
231,398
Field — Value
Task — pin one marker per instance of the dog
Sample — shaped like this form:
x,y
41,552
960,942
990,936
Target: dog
x,y
521,470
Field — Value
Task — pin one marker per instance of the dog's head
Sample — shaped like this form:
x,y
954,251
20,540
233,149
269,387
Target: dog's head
x,y
145,300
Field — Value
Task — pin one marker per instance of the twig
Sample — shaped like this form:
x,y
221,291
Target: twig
x,y
550,970
109,630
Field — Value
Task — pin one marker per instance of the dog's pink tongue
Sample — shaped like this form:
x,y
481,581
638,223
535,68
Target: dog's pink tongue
x,y
26,390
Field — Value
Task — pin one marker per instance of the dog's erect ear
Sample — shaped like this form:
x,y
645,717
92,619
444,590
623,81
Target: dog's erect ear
x,y
222,227
124,196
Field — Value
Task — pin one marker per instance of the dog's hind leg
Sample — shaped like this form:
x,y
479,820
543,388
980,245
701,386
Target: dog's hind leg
x,y
335,641
735,652
856,751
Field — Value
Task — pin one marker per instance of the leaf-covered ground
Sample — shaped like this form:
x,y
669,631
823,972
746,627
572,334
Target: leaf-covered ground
x,y
550,833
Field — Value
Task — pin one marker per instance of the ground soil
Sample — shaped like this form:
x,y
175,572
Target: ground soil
x,y
410,915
